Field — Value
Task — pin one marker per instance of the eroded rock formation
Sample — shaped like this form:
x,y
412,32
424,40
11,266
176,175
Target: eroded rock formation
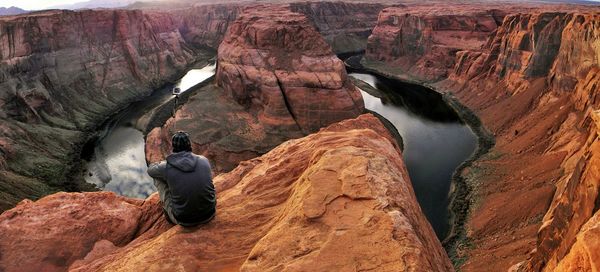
x,y
62,73
345,26
422,42
534,84
206,25
275,63
277,79
340,199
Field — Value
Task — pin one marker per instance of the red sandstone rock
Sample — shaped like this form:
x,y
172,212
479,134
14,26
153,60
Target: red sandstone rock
x,y
535,86
64,72
280,80
345,26
422,42
206,25
49,234
275,63
337,200
574,204
584,253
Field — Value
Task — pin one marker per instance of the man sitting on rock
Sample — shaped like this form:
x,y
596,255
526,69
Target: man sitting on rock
x,y
184,183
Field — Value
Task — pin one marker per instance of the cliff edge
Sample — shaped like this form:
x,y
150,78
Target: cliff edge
x,y
340,199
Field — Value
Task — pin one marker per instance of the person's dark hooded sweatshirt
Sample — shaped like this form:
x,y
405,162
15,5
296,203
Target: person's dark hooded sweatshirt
x,y
190,186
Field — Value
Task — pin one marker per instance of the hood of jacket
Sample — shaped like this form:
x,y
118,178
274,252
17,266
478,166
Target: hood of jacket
x,y
185,161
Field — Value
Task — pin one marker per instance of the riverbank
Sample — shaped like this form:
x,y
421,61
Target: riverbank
x,y
461,197
84,149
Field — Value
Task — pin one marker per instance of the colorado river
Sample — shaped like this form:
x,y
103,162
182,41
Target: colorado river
x,y
435,140
116,159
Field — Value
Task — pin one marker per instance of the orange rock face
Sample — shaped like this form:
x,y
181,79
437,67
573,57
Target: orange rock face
x,y
275,63
423,42
344,25
337,200
583,255
542,112
52,233
534,84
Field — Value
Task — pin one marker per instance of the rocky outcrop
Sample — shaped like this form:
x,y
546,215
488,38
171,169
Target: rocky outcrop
x,y
422,42
276,64
547,102
337,200
277,79
534,84
544,107
345,26
583,255
56,231
62,73
576,200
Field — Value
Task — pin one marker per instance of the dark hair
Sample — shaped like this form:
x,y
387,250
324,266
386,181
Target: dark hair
x,y
181,142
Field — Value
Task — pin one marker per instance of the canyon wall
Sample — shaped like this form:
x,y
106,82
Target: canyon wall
x,y
422,42
534,84
277,79
205,26
344,202
345,26
62,73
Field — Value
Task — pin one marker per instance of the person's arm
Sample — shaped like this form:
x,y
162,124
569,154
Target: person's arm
x,y
157,170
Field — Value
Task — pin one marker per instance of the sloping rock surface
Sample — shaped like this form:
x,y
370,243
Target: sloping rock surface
x,y
337,200
534,83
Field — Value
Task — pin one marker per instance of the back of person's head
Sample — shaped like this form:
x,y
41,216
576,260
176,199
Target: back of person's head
x,y
181,142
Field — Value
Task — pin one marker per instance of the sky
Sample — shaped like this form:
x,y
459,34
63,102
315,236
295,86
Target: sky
x,y
36,4
42,4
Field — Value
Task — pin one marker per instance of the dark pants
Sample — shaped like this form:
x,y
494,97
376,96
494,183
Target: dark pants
x,y
165,197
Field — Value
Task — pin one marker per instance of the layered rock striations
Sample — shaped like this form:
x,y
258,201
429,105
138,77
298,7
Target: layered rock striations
x,y
62,73
566,238
539,104
345,26
277,79
534,83
275,63
338,200
422,42
205,26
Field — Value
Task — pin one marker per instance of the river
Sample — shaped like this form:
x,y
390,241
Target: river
x,y
435,140
116,160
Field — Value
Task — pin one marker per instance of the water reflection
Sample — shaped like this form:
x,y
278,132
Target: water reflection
x,y
118,162
435,140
